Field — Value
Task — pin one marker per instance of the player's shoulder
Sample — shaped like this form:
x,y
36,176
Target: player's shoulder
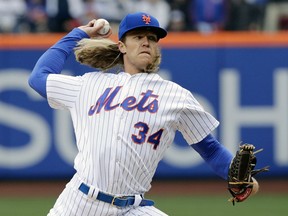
x,y
97,74
173,84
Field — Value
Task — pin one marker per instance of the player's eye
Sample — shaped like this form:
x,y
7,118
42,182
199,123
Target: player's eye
x,y
152,38
138,37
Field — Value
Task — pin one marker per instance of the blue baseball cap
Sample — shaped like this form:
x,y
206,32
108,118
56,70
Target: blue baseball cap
x,y
140,20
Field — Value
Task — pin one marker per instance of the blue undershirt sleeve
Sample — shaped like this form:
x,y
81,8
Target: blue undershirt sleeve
x,y
215,155
53,60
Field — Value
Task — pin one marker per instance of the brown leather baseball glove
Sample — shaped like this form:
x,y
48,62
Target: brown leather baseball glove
x,y
241,172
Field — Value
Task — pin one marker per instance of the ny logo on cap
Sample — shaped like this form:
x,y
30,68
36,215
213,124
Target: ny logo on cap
x,y
146,19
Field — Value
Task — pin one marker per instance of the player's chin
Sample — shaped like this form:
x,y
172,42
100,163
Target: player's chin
x,y
146,61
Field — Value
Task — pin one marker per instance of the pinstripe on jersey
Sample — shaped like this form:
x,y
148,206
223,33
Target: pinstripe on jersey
x,y
124,123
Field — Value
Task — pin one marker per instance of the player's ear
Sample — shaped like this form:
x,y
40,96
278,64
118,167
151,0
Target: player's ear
x,y
122,47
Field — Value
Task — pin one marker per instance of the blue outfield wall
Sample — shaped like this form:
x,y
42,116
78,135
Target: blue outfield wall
x,y
246,88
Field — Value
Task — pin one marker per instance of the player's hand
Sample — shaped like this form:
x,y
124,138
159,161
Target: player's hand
x,y
241,183
92,30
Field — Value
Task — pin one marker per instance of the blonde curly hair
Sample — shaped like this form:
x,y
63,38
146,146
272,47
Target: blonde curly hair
x,y
104,54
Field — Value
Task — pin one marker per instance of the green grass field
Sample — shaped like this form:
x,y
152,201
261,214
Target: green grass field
x,y
262,205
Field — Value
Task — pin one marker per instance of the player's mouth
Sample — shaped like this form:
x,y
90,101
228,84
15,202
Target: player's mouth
x,y
145,52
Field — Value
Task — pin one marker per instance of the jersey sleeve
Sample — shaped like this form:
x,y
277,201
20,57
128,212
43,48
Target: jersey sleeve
x,y
194,122
63,90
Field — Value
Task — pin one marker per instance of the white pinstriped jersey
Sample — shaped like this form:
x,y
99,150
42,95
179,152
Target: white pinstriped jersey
x,y
124,123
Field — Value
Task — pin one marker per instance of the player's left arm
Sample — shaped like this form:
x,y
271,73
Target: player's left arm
x,y
215,154
237,170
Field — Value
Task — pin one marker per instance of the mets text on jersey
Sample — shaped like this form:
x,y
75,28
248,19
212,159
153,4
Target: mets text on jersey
x,y
128,104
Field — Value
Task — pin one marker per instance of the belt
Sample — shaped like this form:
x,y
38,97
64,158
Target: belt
x,y
122,201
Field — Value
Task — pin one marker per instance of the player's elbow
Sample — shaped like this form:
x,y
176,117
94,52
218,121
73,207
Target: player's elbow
x,y
31,81
38,83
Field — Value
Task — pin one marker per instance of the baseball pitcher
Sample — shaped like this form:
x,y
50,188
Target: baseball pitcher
x,y
125,121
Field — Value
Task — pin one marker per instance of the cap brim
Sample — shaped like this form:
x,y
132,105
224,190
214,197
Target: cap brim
x,y
161,33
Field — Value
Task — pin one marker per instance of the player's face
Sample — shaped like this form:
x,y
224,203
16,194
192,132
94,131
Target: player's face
x,y
140,48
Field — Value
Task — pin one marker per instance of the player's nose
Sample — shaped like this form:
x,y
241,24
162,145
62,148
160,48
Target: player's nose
x,y
145,41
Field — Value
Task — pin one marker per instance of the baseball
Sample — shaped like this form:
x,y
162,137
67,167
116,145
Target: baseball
x,y
105,29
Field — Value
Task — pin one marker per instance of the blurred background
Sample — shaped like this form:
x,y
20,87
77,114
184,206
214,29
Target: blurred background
x,y
233,56
19,16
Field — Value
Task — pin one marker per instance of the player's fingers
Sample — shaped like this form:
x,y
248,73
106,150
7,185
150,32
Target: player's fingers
x,y
91,23
90,29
